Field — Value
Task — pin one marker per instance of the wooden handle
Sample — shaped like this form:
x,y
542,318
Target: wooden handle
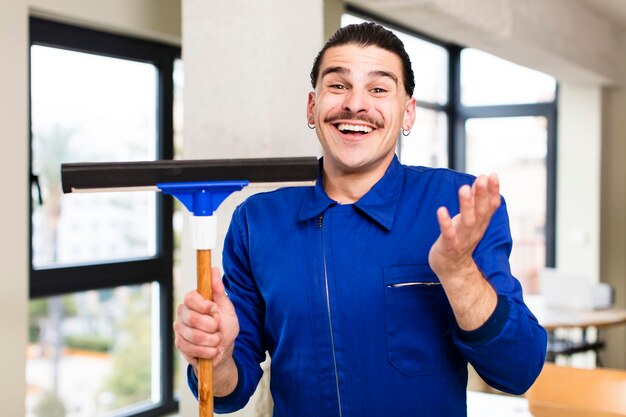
x,y
205,366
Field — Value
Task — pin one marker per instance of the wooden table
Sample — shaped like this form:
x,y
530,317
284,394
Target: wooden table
x,y
553,320
562,319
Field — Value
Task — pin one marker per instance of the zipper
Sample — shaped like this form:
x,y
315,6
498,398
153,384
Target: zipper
x,y
320,225
415,284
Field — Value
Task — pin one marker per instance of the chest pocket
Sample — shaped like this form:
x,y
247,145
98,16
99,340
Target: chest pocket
x,y
418,321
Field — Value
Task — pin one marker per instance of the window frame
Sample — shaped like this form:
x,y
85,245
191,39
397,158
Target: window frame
x,y
547,110
51,281
458,114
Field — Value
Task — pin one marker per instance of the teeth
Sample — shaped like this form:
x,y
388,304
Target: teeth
x,y
354,128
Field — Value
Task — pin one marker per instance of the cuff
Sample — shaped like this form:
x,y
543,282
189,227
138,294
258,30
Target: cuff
x,y
491,328
192,381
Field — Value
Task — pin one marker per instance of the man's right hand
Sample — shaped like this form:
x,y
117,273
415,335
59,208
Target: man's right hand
x,y
206,329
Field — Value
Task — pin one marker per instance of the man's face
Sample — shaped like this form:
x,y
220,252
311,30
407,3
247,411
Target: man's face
x,y
359,107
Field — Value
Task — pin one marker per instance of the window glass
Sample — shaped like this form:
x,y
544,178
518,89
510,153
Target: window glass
x,y
489,80
516,149
428,60
426,145
90,108
93,352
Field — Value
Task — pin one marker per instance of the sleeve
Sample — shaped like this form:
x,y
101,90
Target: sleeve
x,y
508,351
240,286
192,381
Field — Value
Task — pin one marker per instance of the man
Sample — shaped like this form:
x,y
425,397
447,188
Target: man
x,y
372,290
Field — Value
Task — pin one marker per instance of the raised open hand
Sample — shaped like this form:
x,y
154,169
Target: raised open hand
x,y
450,256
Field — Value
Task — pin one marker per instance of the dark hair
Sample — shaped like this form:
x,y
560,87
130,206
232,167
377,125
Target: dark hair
x,y
369,34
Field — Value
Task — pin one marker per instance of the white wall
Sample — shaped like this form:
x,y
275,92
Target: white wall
x,y
14,206
578,179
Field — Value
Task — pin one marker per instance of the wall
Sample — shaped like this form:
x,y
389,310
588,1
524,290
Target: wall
x,y
578,179
613,224
14,207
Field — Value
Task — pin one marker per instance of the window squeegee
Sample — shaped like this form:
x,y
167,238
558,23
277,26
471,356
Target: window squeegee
x,y
201,186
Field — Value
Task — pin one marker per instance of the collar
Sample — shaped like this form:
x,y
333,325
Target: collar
x,y
379,203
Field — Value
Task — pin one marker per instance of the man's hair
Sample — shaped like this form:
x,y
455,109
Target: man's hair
x,y
369,34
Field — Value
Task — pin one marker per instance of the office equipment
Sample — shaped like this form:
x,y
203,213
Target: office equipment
x,y
567,290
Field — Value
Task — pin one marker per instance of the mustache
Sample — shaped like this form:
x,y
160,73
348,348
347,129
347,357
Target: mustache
x,y
347,115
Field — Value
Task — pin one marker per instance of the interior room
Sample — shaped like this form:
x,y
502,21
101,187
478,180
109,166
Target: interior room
x,y
532,89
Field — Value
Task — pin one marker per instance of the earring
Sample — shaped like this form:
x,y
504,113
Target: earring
x,y
311,125
406,132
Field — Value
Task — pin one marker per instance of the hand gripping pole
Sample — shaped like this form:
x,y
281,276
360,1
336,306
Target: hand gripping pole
x,y
201,199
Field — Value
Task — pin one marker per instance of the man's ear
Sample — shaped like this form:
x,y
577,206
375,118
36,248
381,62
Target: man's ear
x,y
409,114
310,108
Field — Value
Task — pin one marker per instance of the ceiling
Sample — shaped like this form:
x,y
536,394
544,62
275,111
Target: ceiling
x,y
612,10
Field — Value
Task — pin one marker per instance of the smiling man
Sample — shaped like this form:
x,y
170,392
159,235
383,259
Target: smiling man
x,y
374,289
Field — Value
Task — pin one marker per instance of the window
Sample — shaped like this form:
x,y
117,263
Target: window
x,y
73,120
101,263
509,117
480,114
519,159
489,80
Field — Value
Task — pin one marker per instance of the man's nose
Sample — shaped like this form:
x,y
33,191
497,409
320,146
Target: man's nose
x,y
356,101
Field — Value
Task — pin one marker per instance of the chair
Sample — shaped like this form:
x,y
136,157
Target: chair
x,y
562,391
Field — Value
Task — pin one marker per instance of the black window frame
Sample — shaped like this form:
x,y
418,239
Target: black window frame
x,y
457,114
96,276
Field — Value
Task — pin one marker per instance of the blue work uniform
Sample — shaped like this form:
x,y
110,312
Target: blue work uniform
x,y
354,319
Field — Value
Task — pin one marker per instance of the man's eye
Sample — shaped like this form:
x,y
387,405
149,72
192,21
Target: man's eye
x,y
338,86
378,90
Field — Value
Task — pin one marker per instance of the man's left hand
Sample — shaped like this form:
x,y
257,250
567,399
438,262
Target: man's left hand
x,y
471,297
451,255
